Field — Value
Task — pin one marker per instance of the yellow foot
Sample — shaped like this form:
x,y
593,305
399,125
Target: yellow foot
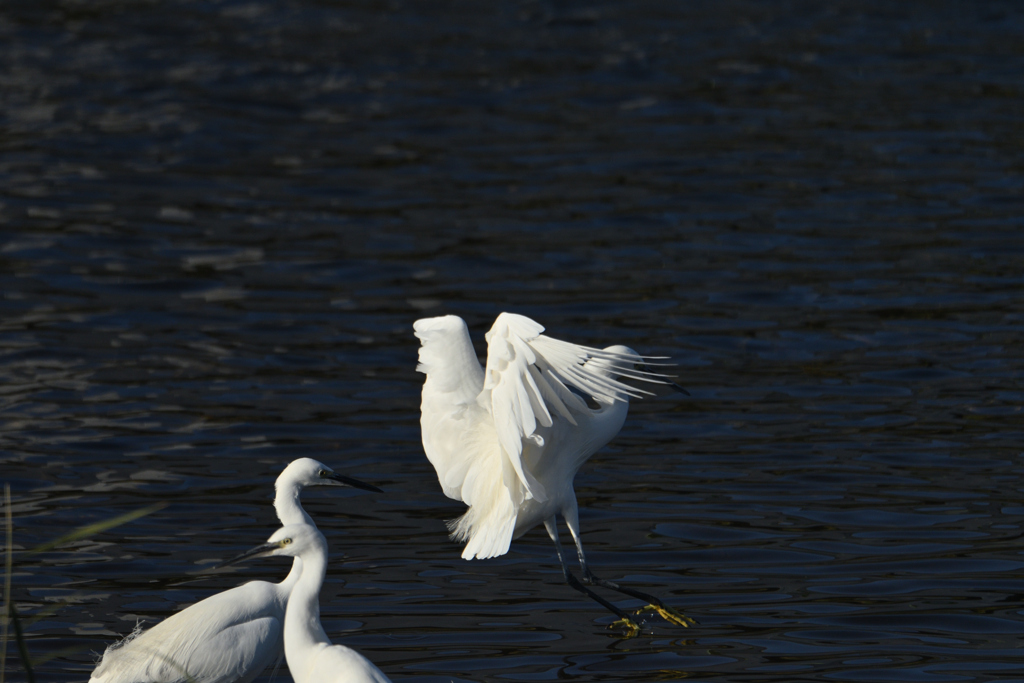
x,y
631,628
669,614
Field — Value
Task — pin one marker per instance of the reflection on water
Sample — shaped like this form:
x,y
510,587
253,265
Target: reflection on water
x,y
219,220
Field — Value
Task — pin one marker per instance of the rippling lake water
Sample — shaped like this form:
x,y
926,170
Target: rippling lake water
x,y
218,221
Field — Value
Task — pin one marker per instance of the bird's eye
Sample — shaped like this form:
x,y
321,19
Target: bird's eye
x,y
323,473
286,541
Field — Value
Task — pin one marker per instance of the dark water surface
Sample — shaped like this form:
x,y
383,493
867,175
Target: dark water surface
x,y
218,221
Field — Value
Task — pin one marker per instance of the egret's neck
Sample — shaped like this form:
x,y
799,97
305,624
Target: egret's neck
x,y
286,503
289,582
607,421
302,628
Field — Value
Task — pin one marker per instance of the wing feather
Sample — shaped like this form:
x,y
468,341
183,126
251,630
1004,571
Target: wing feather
x,y
229,636
446,355
529,375
454,380
540,410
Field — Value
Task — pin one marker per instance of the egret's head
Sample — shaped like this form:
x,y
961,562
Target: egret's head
x,y
627,354
626,365
288,541
310,472
621,358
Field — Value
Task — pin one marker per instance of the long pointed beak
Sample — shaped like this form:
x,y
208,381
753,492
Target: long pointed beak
x,y
679,389
349,481
258,551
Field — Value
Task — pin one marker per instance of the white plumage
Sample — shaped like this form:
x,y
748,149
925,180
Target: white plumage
x,y
229,637
312,658
507,439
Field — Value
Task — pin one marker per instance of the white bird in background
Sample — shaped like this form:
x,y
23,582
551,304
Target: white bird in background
x,y
508,439
311,656
232,636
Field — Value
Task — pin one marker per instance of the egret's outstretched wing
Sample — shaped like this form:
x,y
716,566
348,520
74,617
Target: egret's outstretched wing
x,y
527,379
454,380
446,355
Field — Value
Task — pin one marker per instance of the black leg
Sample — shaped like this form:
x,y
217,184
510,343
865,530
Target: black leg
x,y
670,614
654,604
631,628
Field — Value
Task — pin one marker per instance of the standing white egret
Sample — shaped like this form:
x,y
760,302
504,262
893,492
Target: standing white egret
x,y
508,439
229,637
311,656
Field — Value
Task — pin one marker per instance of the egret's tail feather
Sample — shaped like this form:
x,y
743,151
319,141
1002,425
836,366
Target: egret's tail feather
x,y
486,535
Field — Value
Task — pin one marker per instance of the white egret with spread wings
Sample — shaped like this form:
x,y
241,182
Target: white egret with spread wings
x,y
507,439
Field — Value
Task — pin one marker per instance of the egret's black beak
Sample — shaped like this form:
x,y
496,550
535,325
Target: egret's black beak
x,y
679,389
258,551
349,481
